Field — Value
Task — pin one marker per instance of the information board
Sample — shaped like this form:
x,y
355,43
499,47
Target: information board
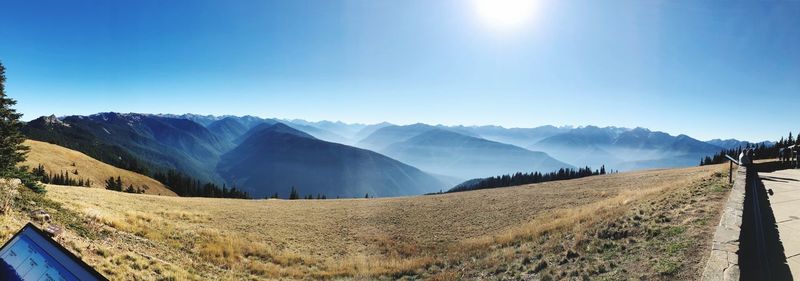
x,y
32,255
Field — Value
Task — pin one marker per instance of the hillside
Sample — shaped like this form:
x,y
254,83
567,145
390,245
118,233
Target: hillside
x,y
194,144
449,153
624,149
57,159
273,158
652,225
150,141
521,137
227,129
219,152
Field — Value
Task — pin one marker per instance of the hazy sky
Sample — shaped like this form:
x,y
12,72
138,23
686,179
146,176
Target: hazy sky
x,y
675,66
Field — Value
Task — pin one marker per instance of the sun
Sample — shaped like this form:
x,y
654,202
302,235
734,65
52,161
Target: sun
x,y
504,14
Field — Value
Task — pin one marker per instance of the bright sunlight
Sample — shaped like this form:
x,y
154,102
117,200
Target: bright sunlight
x,y
504,14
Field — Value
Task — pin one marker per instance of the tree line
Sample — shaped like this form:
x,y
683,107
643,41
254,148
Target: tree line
x,y
761,151
186,186
294,194
520,178
62,178
116,185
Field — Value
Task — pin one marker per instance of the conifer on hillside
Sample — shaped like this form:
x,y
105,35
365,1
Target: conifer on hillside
x,y
12,151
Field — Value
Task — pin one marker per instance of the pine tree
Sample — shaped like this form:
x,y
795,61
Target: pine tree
x,y
111,184
293,195
118,184
11,149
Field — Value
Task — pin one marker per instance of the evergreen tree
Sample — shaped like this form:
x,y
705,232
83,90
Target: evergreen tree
x,y
40,173
293,195
528,178
118,184
186,186
11,149
111,184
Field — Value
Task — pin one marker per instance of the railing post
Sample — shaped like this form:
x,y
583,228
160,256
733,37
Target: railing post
x,y
730,172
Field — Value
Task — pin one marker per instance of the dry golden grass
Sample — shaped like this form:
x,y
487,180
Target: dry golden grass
x,y
57,159
203,238
658,234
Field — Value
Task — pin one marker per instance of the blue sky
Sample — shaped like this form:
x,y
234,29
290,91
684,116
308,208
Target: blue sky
x,y
678,66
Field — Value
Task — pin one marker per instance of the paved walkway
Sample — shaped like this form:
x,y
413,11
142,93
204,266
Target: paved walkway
x,y
786,207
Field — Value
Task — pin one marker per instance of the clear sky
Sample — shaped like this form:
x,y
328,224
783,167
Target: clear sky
x,y
680,66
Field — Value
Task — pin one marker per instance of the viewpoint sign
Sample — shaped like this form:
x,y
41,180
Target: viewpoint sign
x,y
32,255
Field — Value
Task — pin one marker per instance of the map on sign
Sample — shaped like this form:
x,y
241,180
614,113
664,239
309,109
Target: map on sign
x,y
32,255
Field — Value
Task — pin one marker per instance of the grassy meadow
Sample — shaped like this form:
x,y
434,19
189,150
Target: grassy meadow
x,y
651,224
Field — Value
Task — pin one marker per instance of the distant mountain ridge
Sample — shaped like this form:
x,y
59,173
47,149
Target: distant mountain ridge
x,y
227,129
522,137
383,137
451,153
147,143
273,158
161,142
616,147
195,144
625,149
734,143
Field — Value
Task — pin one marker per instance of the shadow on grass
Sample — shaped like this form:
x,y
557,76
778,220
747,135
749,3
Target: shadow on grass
x,y
761,254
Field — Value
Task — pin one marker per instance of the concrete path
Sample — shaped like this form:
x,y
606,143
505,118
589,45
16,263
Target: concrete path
x,y
786,207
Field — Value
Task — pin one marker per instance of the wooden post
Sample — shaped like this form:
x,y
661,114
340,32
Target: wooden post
x,y
730,173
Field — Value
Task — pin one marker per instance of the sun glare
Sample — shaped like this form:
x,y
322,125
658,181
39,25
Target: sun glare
x,y
504,14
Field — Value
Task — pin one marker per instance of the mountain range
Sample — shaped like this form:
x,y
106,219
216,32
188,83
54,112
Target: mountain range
x,y
261,157
266,156
449,152
734,143
625,149
276,156
143,141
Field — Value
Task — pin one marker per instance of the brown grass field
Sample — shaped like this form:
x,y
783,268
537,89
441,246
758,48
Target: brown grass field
x,y
57,159
641,225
